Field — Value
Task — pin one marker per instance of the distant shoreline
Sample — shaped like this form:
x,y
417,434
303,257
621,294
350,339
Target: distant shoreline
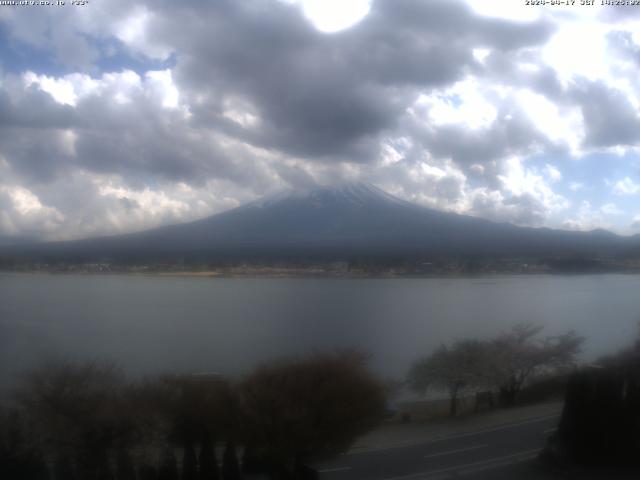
x,y
279,274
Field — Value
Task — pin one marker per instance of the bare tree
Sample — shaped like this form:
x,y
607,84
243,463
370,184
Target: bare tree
x,y
520,354
452,368
196,406
191,412
79,413
21,455
310,408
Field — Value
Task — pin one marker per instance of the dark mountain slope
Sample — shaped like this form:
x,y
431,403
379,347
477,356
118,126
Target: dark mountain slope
x,y
353,219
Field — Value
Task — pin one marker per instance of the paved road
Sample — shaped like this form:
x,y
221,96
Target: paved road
x,y
505,451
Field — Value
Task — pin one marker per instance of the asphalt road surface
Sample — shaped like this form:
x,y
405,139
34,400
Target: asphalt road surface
x,y
507,451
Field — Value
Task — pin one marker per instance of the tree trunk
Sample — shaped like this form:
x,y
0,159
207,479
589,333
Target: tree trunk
x,y
168,466
508,396
104,467
189,462
63,468
147,472
124,466
208,463
453,402
230,466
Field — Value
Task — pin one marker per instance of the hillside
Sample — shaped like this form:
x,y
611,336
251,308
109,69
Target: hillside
x,y
351,220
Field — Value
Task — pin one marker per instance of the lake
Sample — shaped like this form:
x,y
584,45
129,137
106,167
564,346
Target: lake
x,y
152,323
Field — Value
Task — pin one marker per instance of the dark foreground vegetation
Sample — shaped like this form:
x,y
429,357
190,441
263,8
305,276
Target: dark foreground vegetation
x,y
71,421
600,423
88,421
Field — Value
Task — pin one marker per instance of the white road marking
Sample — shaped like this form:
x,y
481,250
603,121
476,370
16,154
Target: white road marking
x,y
472,467
459,450
337,469
501,461
444,438
496,429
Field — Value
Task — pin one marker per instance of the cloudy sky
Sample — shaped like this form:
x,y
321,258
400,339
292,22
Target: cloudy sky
x,y
119,115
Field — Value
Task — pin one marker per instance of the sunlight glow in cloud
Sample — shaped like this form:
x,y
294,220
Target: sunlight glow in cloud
x,y
519,180
561,126
132,30
60,89
333,15
579,50
162,83
463,103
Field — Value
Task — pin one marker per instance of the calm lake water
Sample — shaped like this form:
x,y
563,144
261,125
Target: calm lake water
x,y
151,324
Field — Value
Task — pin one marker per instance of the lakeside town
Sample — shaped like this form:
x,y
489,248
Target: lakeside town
x,y
348,269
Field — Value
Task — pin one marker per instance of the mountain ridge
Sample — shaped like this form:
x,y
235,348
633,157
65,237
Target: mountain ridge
x,y
334,222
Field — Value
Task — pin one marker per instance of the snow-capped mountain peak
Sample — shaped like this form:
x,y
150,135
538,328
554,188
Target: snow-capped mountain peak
x,y
345,193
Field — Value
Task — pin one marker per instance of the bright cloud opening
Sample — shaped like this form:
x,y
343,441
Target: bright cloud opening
x,y
334,15
464,103
579,49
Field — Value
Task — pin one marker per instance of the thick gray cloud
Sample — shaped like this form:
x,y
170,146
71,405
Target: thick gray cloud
x,y
326,96
263,100
316,96
504,67
609,117
33,109
513,133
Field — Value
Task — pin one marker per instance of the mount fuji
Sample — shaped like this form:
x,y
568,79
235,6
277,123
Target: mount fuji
x,y
345,221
